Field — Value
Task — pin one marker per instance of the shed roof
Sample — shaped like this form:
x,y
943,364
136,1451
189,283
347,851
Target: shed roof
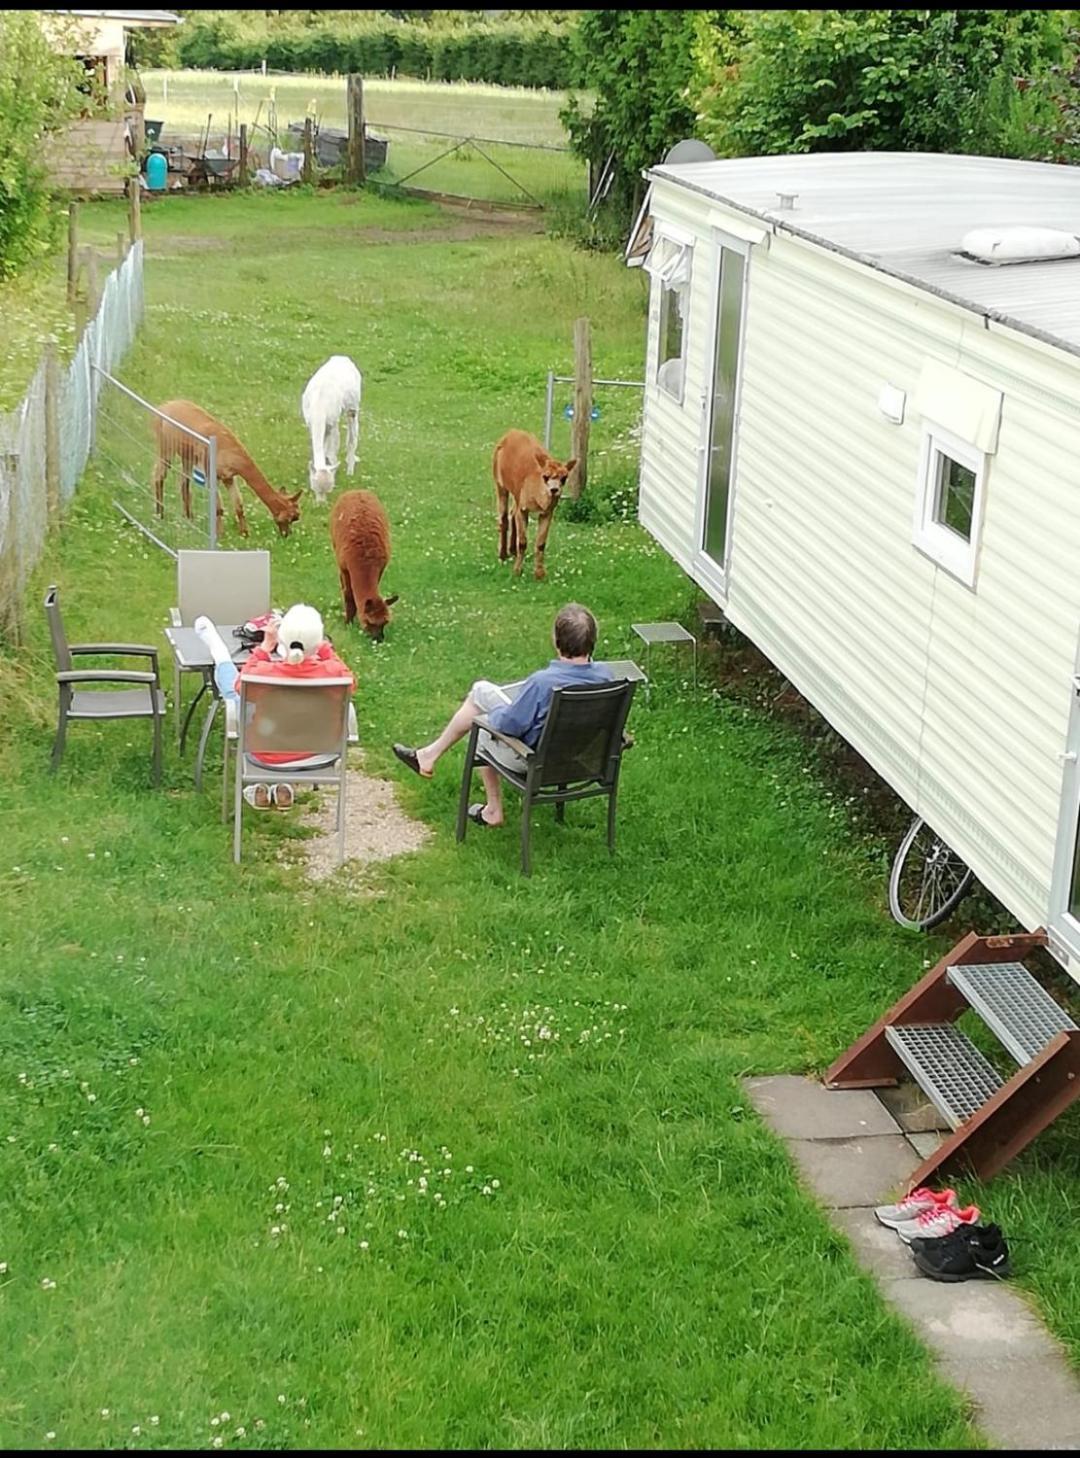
x,y
906,212
128,17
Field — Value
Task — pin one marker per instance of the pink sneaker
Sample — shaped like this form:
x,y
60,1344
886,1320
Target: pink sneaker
x,y
941,1221
914,1204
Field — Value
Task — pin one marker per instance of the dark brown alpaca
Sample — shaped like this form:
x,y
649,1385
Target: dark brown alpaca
x,y
232,461
360,532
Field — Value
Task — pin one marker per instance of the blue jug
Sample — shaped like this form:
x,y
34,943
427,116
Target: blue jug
x,y
157,171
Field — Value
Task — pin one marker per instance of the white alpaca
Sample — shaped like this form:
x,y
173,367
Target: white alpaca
x,y
333,390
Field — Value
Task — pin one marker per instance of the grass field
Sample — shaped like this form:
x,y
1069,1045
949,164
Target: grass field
x,y
223,1088
401,111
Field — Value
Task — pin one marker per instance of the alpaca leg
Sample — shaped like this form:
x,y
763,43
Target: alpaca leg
x,y
238,507
543,526
331,444
347,596
161,470
502,505
521,523
352,440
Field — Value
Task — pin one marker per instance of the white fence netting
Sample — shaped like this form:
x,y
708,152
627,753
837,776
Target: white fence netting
x,y
24,497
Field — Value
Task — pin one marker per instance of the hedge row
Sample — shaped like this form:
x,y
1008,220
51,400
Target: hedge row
x,y
502,55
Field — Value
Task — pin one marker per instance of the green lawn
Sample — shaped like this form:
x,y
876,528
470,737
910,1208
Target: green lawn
x,y
400,110
222,1088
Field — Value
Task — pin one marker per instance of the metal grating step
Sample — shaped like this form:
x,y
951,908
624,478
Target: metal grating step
x,y
1013,1006
947,1066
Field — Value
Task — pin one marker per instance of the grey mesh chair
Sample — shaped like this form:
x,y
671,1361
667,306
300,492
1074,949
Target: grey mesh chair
x,y
140,698
579,755
228,587
309,717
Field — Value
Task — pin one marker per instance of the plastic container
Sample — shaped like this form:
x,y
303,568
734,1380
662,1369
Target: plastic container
x,y
157,172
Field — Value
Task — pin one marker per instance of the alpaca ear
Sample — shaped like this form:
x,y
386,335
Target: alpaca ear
x,y
570,465
390,601
542,459
296,495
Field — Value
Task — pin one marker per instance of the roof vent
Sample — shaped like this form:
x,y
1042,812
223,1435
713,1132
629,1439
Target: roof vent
x,y
1018,245
787,200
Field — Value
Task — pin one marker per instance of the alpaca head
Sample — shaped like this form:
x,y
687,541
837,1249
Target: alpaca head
x,y
321,482
300,633
375,614
287,513
554,475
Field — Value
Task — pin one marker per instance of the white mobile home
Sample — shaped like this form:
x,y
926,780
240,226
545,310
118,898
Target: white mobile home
x,y
864,444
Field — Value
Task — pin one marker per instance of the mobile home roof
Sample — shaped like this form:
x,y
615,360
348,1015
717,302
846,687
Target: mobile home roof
x,y
906,212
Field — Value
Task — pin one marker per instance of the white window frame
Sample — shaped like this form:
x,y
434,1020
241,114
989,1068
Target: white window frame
x,y
939,542
684,241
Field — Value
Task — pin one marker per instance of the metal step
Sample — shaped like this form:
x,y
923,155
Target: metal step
x,y
947,1066
1013,1005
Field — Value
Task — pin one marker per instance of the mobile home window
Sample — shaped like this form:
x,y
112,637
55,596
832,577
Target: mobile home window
x,y
950,503
669,265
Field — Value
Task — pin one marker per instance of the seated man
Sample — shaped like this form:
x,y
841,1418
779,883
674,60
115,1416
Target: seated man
x,y
519,709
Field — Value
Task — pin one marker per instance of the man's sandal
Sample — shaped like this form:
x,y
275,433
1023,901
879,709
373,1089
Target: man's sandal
x,y
476,815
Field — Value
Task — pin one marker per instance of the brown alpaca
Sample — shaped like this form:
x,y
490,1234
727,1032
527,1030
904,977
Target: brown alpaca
x,y
232,461
524,470
360,532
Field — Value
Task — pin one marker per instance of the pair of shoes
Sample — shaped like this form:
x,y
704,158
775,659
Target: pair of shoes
x,y
262,797
969,1253
926,1214
412,759
476,815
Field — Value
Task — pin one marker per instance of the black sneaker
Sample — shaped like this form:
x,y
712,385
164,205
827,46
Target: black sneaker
x,y
971,1252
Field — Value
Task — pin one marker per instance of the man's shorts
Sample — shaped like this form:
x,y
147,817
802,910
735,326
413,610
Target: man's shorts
x,y
488,696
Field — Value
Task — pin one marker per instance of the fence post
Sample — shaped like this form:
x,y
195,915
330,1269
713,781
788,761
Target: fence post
x,y
212,488
73,250
309,159
10,598
357,171
548,403
52,431
244,179
134,209
579,435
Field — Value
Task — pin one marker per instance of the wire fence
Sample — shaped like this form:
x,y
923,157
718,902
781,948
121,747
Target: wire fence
x,y
46,441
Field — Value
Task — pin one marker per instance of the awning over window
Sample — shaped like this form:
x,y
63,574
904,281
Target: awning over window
x,y
669,263
964,406
641,237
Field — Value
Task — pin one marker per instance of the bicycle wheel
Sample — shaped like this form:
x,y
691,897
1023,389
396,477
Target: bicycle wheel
x,y
927,880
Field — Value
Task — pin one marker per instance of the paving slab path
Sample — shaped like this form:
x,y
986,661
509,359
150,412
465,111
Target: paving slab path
x,y
854,1153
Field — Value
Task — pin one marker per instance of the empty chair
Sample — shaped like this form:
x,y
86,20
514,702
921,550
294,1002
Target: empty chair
x,y
140,698
308,718
579,755
228,587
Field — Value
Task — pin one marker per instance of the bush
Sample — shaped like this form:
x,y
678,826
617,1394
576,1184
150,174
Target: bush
x,y
525,54
37,95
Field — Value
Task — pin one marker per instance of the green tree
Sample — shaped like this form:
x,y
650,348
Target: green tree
x,y
639,65
37,95
894,80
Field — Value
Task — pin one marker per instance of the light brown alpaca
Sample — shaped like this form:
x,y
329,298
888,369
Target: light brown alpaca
x,y
524,470
360,533
232,461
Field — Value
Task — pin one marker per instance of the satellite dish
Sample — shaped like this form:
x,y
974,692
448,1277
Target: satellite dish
x,y
690,151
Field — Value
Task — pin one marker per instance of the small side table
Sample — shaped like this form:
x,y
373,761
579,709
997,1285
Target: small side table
x,y
651,633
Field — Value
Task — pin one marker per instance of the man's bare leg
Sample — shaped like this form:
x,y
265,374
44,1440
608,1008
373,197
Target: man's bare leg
x,y
493,810
457,728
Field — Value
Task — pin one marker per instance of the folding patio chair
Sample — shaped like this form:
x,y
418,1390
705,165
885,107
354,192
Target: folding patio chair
x,y
306,717
227,587
579,755
140,698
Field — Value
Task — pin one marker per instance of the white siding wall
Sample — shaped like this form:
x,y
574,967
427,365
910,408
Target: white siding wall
x,y
671,433
959,698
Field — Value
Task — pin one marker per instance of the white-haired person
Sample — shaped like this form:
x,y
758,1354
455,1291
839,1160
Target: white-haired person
x,y
295,646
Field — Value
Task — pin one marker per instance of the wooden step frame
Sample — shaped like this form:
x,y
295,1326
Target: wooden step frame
x,y
1012,1117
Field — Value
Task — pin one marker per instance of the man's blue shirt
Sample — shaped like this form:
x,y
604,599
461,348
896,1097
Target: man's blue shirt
x,y
526,716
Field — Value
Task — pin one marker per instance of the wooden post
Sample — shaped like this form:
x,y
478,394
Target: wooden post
x,y
73,250
357,166
309,157
134,209
52,431
579,434
244,178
